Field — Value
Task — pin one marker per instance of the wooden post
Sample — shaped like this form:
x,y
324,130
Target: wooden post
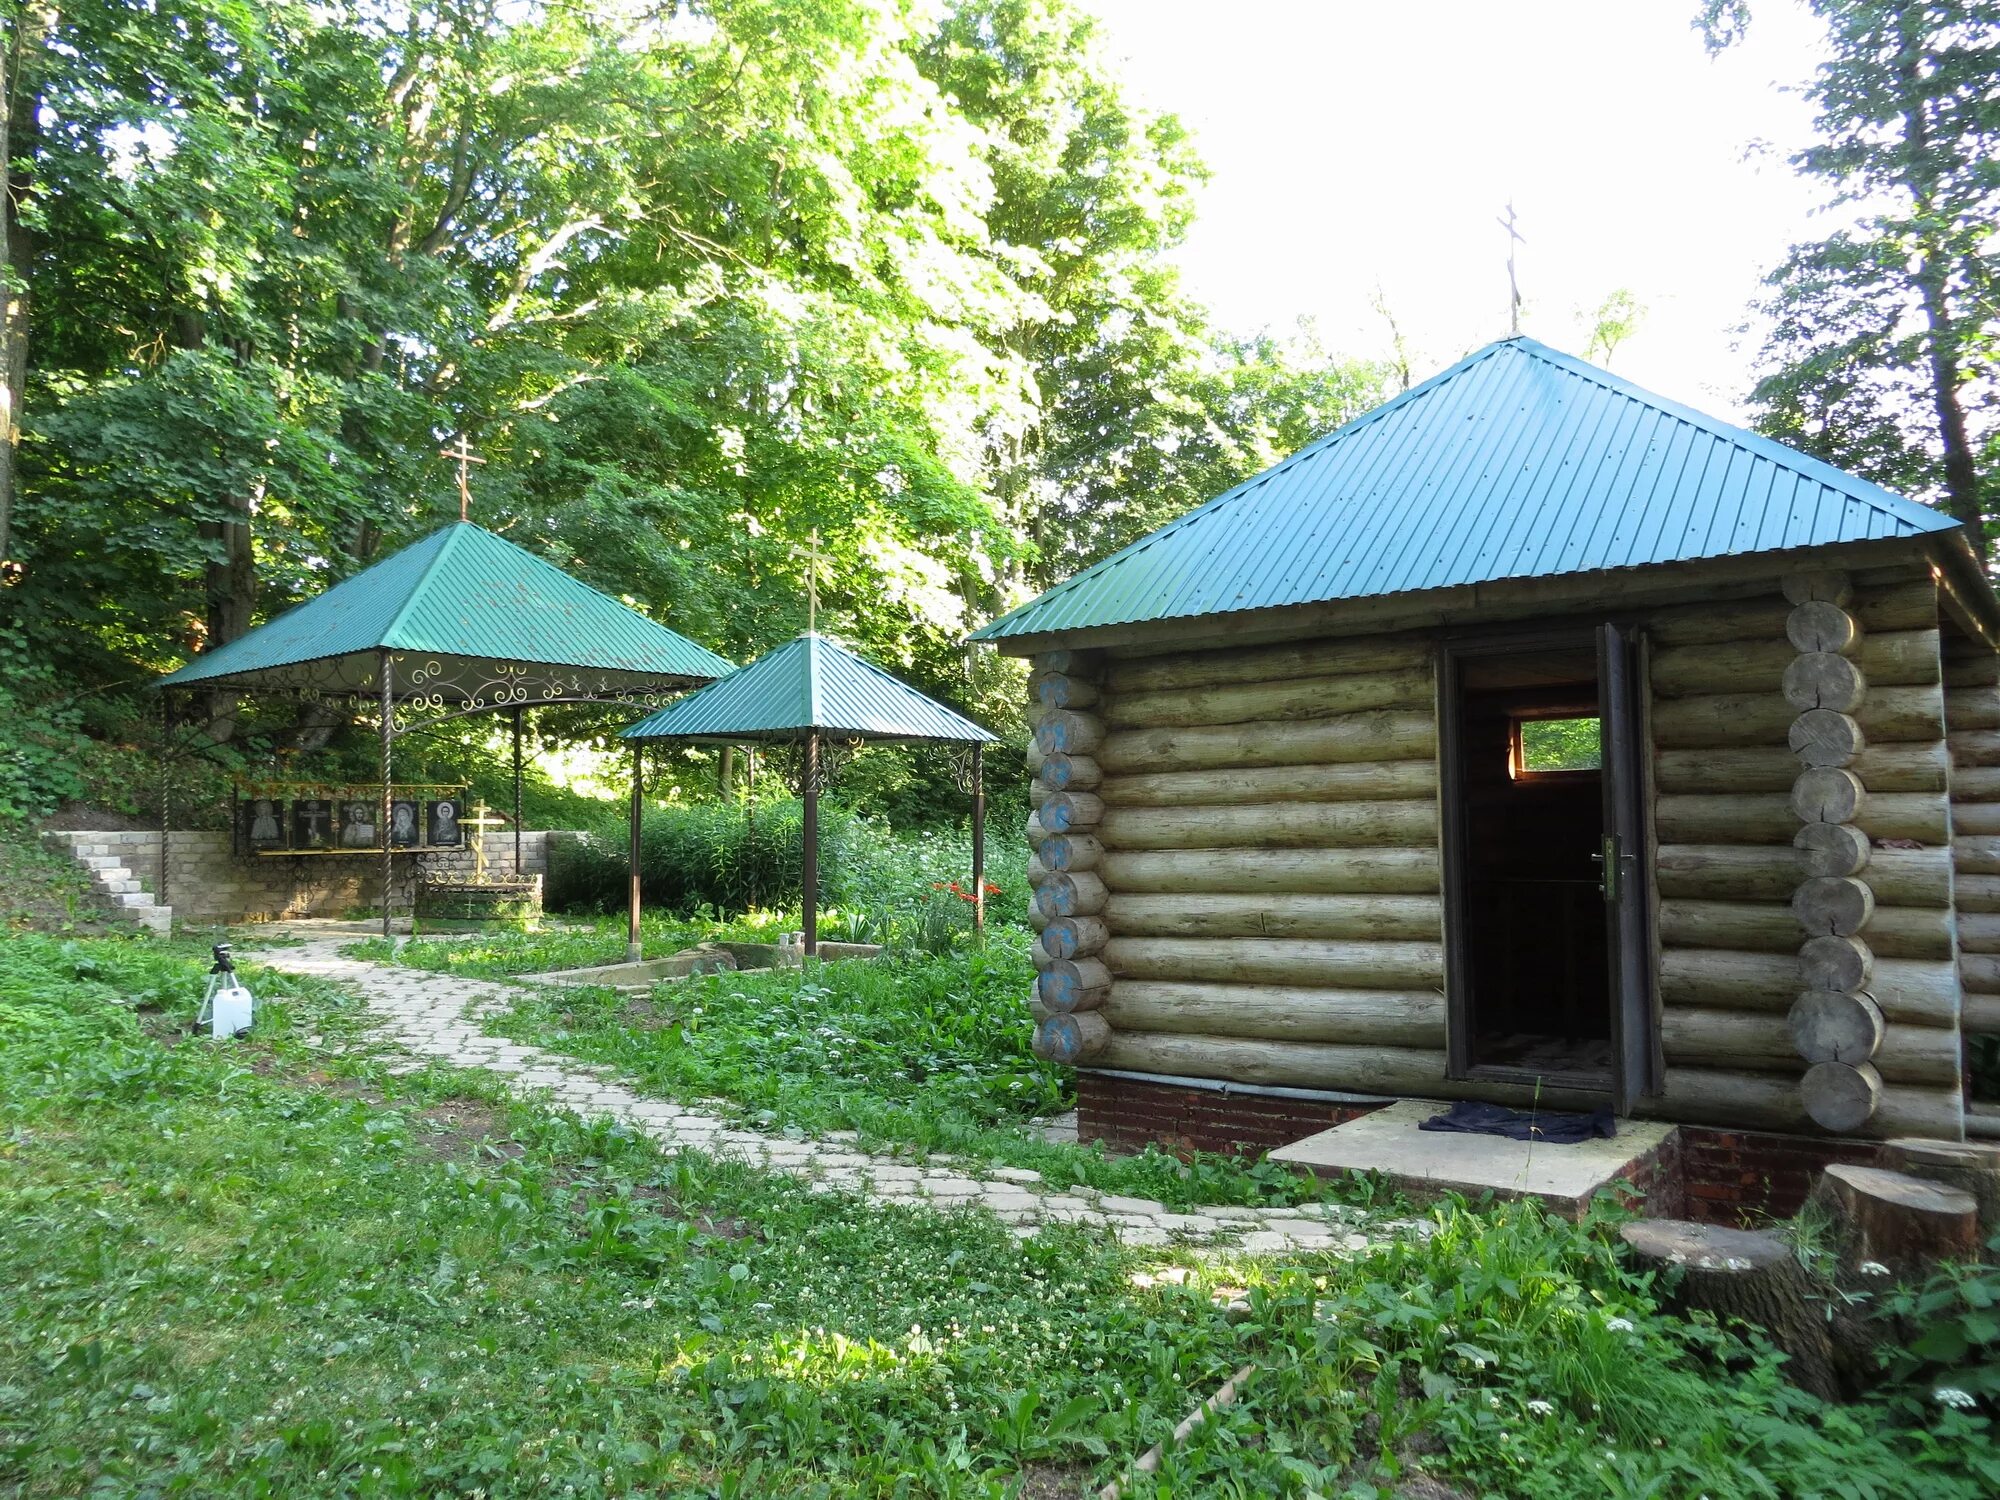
x,y
517,794
979,838
632,947
387,672
810,794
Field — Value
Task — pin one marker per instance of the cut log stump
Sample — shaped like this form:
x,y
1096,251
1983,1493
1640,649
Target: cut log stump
x,y
1896,1220
1749,1274
1970,1166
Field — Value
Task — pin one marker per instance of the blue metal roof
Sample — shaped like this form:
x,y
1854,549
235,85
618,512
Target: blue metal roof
x,y
1517,462
462,593
810,683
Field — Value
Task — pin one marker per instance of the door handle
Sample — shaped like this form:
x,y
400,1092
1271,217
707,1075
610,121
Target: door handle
x,y
1609,869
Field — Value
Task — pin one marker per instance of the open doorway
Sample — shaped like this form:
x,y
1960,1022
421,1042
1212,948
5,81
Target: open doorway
x,y
1546,963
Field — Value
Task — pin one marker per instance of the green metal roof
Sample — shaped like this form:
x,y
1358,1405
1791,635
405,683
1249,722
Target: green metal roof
x,y
458,604
1517,462
808,684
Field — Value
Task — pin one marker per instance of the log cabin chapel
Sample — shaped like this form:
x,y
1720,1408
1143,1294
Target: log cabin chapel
x,y
1530,739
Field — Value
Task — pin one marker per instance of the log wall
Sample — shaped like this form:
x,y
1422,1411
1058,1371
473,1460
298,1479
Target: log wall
x,y
1972,731
1251,889
1237,872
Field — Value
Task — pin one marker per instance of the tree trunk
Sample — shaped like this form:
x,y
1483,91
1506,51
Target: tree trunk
x,y
1898,1221
1961,467
20,104
1746,1274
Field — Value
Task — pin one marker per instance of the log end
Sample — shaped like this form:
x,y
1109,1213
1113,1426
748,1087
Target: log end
x,y
1841,1097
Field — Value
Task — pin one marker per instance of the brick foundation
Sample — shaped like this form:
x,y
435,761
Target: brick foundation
x,y
1126,1113
1700,1172
1734,1176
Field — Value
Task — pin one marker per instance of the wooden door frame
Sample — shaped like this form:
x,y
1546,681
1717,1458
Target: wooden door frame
x,y
1454,648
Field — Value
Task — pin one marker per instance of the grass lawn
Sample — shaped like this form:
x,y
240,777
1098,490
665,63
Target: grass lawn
x,y
270,1268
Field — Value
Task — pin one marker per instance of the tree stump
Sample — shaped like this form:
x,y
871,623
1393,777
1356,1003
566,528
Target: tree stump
x,y
1747,1274
1895,1220
1970,1166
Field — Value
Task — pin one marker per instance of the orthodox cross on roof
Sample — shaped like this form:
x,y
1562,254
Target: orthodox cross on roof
x,y
462,451
1513,286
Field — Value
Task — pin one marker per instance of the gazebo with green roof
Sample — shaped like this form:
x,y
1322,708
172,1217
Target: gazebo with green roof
x,y
805,693
461,622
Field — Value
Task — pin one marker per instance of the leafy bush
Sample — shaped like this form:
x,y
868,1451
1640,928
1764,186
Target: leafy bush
x,y
734,857
1946,1337
1519,1354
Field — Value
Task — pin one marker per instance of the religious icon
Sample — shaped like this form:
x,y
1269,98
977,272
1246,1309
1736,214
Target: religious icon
x,y
441,825
357,824
403,823
264,820
312,823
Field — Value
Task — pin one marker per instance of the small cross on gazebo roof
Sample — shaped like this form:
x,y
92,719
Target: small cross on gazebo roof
x,y
805,692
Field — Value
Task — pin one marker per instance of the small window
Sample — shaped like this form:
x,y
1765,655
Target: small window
x,y
1554,747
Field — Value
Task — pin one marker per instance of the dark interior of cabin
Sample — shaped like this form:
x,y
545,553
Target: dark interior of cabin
x,y
1534,819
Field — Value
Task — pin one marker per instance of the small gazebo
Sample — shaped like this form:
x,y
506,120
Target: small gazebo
x,y
812,692
459,623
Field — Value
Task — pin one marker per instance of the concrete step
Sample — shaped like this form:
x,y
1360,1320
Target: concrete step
x,y
102,857
1425,1165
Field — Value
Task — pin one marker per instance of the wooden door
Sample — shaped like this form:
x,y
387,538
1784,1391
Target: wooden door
x,y
1626,869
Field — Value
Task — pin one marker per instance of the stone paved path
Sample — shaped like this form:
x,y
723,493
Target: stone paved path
x,y
436,1016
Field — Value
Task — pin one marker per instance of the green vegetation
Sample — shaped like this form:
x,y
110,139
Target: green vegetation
x,y
1561,745
270,1268
739,856
1878,338
699,285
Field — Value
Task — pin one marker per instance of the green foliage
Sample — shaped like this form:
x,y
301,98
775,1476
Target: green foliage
x,y
1949,1354
1524,1357
271,1267
744,856
251,1280
698,288
1882,335
1561,745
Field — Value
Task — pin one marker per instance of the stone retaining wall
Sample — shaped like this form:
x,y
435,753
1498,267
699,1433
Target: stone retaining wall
x,y
207,883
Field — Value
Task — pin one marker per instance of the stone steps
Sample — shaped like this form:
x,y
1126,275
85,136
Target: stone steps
x,y
99,856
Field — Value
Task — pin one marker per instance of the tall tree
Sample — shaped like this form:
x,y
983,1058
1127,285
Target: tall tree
x,y
1881,351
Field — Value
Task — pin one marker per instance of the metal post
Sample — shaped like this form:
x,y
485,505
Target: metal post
x,y
632,857
388,770
166,749
811,880
517,794
979,838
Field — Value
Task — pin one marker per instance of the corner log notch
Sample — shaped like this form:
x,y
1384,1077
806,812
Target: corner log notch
x,y
1071,983
1836,1031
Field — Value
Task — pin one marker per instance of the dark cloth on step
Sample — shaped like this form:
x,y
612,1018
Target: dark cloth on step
x,y
1469,1117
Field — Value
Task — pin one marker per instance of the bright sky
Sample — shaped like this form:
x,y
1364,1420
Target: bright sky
x,y
1355,144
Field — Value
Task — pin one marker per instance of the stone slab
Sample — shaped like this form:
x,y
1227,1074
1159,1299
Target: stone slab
x,y
1427,1164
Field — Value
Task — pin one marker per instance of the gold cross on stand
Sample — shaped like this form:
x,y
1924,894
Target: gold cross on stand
x,y
462,451
482,819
